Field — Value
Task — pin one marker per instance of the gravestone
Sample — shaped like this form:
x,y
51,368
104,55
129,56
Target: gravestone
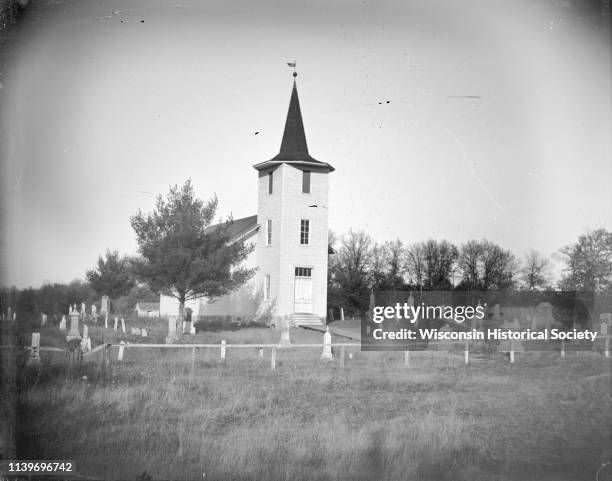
x,y
83,310
62,325
74,327
106,320
43,319
116,323
172,336
605,319
496,311
123,325
285,339
192,329
137,331
35,349
85,341
94,313
327,352
544,315
143,332
105,305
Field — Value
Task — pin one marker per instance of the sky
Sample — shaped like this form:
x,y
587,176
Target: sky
x,y
443,119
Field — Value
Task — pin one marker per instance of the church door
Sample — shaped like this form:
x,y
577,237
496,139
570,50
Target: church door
x,y
303,289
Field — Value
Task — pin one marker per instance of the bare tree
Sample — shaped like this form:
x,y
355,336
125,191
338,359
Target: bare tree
x,y
469,256
351,271
535,272
415,263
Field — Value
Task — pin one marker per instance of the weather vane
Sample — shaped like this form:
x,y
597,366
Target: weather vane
x,y
292,65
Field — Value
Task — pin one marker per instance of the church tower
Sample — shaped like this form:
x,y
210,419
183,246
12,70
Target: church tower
x,y
292,215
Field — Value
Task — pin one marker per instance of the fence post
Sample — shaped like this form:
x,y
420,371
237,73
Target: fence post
x,y
562,347
121,348
607,347
193,355
223,350
273,358
466,356
511,352
407,358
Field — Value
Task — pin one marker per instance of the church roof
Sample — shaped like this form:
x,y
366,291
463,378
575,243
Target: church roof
x,y
294,149
239,228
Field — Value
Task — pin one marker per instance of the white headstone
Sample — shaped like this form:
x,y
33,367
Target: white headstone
x,y
85,331
105,304
83,311
106,320
74,327
121,348
143,332
116,322
123,325
137,331
604,328
43,319
35,348
62,325
327,352
285,339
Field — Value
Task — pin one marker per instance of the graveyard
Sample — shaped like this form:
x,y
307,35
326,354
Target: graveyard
x,y
224,413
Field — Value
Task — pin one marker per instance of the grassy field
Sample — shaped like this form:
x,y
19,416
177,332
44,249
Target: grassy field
x,y
542,418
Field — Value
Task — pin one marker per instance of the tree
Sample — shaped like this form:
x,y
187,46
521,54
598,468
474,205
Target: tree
x,y
183,256
485,265
111,276
588,263
535,273
350,275
440,258
415,263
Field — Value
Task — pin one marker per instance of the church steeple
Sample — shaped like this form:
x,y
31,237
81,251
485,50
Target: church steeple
x,y
294,149
293,146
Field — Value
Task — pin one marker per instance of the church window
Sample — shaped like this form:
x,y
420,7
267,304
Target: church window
x,y
270,182
303,272
269,232
267,288
304,231
306,181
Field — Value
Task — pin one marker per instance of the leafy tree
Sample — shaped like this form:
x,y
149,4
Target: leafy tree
x,y
183,256
111,276
588,263
535,272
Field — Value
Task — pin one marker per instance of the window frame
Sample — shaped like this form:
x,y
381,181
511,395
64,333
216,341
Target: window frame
x,y
304,232
306,181
267,287
270,182
268,232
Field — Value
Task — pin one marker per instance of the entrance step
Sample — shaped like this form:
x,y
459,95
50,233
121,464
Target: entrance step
x,y
305,320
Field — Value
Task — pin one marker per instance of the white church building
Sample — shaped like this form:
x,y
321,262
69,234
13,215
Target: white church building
x,y
290,237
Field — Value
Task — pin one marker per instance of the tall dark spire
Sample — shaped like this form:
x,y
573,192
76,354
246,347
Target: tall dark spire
x,y
294,149
293,146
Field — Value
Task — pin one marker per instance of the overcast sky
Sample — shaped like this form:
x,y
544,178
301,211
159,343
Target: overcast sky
x,y
497,126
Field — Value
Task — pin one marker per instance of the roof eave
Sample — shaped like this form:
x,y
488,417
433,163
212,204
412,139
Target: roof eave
x,y
306,163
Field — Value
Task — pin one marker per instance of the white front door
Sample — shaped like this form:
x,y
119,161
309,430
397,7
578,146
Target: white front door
x,y
303,294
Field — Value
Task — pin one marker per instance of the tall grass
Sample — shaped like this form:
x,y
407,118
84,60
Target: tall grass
x,y
373,419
